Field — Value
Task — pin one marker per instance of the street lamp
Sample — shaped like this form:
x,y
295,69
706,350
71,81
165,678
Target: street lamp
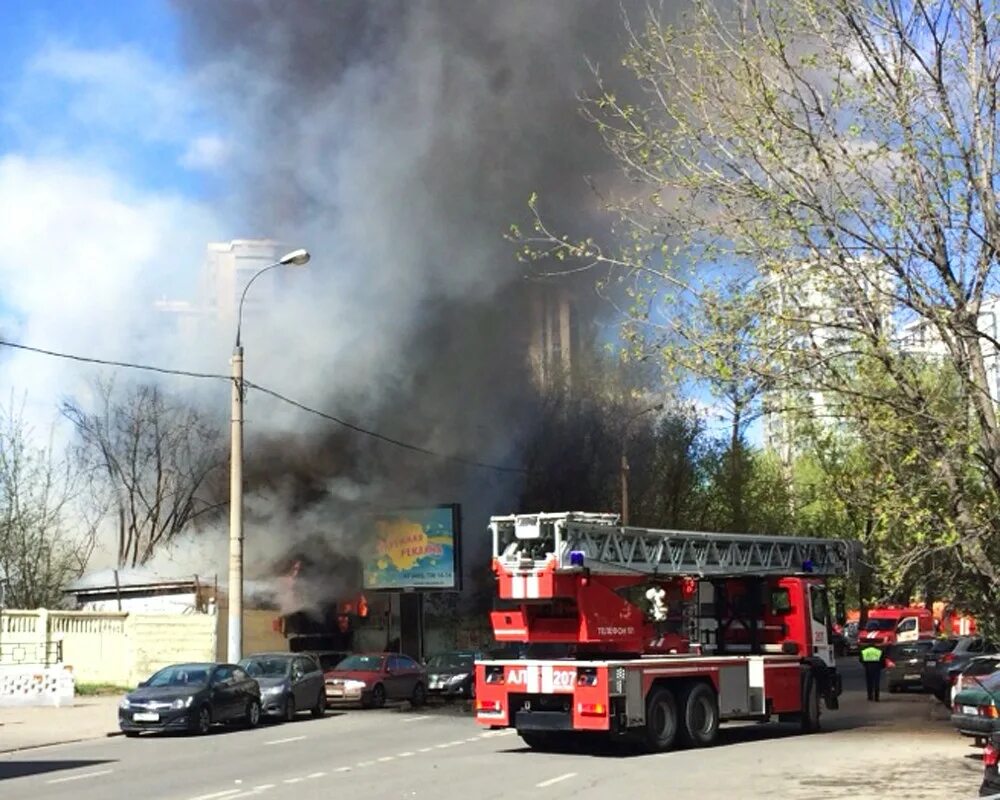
x,y
294,258
624,463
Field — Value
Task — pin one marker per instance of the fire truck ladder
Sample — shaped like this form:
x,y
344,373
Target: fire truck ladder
x,y
527,542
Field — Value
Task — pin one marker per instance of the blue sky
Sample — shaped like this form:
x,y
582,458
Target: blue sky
x,y
104,80
109,163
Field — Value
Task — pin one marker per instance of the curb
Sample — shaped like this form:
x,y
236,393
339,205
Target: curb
x,y
60,742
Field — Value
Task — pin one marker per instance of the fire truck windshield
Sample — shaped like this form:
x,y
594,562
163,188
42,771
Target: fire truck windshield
x,y
880,625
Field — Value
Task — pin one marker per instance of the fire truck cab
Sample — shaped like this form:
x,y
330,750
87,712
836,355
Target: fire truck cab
x,y
663,634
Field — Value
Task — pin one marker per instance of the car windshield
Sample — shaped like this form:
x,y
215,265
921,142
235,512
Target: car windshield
x,y
901,651
944,645
880,624
984,666
451,661
182,675
275,667
361,663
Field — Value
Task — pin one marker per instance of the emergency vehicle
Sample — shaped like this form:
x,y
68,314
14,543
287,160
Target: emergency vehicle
x,y
660,635
891,624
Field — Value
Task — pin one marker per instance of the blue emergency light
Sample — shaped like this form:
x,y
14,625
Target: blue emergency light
x,y
576,558
807,565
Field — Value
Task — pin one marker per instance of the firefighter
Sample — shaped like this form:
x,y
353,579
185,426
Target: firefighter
x,y
873,660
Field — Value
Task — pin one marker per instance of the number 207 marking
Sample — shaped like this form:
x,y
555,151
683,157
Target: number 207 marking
x,y
563,679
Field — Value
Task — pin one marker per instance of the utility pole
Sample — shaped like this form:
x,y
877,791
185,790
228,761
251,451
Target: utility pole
x,y
235,644
624,471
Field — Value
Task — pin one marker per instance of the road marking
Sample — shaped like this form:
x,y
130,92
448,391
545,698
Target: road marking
x,y
425,749
407,754
285,741
417,719
442,746
316,775
214,795
342,769
557,779
84,776
472,739
457,742
293,780
365,763
386,758
263,787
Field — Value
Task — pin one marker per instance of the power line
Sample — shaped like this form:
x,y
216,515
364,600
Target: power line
x,y
272,393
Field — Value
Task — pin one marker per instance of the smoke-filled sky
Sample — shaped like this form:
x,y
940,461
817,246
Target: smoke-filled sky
x,y
396,139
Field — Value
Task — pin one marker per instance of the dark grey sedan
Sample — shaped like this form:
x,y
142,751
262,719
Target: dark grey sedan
x,y
904,664
191,697
289,683
947,658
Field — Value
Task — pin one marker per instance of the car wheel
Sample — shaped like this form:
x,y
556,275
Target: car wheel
x,y
661,721
378,696
203,722
252,717
319,710
419,696
290,710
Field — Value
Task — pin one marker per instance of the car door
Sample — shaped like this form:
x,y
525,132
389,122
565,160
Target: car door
x,y
409,675
302,686
313,679
224,695
394,678
245,689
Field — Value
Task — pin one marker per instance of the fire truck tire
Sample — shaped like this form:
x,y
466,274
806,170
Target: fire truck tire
x,y
661,720
699,716
809,718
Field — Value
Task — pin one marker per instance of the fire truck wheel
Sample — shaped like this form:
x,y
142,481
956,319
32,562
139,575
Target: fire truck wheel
x,y
699,716
810,703
661,720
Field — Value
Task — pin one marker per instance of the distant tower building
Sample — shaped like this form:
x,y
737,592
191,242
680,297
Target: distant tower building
x,y
227,269
555,336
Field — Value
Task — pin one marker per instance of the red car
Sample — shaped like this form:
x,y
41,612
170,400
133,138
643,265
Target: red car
x,y
373,679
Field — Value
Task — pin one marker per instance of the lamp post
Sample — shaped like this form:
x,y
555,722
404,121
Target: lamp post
x,y
235,629
624,462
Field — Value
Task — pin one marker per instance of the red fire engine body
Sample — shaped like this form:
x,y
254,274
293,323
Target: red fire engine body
x,y
658,635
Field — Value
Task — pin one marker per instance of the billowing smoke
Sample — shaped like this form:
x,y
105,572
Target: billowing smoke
x,y
397,140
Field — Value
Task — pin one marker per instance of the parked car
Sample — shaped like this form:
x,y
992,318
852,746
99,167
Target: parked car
x,y
991,776
191,697
977,707
452,674
904,664
947,658
289,683
978,667
373,679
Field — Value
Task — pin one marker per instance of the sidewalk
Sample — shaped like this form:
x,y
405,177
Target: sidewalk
x,y
87,718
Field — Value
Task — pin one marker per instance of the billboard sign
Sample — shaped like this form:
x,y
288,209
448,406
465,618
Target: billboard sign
x,y
414,549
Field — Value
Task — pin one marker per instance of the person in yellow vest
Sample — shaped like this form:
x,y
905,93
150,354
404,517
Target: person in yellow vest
x,y
873,660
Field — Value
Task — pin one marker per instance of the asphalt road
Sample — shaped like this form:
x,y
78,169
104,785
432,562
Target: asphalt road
x,y
899,748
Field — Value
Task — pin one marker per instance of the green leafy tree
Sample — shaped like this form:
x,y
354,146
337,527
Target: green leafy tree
x,y
835,160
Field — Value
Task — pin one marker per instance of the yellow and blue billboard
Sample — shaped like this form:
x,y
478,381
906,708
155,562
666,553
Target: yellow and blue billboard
x,y
414,549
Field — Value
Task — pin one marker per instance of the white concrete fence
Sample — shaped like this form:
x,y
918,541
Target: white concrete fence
x,y
42,652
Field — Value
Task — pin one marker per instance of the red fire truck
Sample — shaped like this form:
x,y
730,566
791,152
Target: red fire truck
x,y
656,636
